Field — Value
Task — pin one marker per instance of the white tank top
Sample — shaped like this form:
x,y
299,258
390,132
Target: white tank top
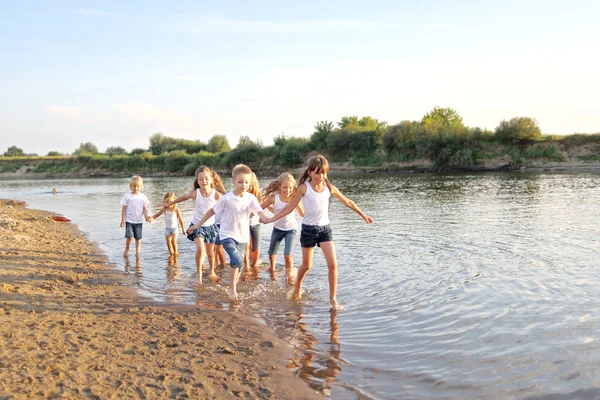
x,y
170,219
316,206
286,223
202,205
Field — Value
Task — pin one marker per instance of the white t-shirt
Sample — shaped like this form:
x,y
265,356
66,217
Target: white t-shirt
x,y
135,207
235,215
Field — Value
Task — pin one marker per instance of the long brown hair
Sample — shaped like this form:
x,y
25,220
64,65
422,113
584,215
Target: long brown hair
x,y
317,164
216,184
254,187
275,186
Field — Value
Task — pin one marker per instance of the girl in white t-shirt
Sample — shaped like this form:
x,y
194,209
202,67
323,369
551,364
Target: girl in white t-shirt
x,y
278,194
205,196
173,222
315,190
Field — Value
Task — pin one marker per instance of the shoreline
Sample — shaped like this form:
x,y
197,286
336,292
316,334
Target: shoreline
x,y
72,328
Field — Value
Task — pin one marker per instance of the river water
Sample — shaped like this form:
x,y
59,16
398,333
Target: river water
x,y
466,286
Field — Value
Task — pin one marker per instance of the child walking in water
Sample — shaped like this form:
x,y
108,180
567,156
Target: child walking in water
x,y
219,252
278,194
203,235
235,208
316,190
253,247
173,221
133,213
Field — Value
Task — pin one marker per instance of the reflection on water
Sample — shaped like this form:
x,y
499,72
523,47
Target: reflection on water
x,y
466,286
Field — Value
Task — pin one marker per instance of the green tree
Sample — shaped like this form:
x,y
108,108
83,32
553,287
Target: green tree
x,y
442,117
87,148
401,137
53,154
14,151
157,144
519,130
115,150
319,138
218,144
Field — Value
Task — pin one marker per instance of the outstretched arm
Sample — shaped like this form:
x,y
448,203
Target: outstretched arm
x,y
158,213
350,204
190,195
180,219
205,218
301,191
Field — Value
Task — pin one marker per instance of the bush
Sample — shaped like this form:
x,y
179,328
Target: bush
x,y
401,137
518,130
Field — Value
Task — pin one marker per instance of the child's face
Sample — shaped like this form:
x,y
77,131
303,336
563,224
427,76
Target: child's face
x,y
135,187
287,188
318,176
170,199
204,179
241,183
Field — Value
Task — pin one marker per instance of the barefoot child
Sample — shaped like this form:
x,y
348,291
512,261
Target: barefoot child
x,y
203,235
278,194
316,190
235,208
133,213
219,252
253,247
173,221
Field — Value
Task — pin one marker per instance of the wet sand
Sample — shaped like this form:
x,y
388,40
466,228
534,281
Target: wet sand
x,y
70,328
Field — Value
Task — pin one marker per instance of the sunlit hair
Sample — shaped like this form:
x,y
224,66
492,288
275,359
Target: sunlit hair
x,y
275,186
316,164
240,169
169,195
255,187
137,179
215,179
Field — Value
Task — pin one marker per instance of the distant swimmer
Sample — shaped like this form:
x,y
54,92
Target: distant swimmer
x,y
54,191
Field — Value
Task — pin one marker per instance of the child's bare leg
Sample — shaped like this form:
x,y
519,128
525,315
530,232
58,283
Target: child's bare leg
x,y
234,275
127,243
174,244
200,256
210,251
272,260
329,254
138,247
254,257
221,255
307,258
247,256
169,244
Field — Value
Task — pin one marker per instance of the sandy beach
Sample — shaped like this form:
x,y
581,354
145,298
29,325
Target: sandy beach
x,y
70,328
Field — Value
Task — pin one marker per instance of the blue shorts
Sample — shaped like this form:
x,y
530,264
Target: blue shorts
x,y
235,251
218,240
255,237
133,230
277,236
170,231
312,235
208,233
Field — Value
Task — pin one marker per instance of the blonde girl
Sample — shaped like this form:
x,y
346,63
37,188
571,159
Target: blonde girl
x,y
253,249
173,221
133,212
278,194
205,197
315,190
219,251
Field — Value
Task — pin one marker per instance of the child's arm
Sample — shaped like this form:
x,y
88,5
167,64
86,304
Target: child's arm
x,y
123,211
267,202
190,195
148,219
178,213
301,191
300,210
205,218
350,204
158,214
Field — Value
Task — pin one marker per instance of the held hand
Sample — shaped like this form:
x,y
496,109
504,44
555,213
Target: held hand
x,y
183,231
148,219
264,220
122,223
368,219
191,229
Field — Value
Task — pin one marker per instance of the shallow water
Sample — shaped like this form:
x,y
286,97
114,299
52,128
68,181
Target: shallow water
x,y
466,286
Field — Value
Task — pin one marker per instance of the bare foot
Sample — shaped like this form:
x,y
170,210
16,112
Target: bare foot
x,y
294,295
198,279
335,305
232,295
126,254
213,277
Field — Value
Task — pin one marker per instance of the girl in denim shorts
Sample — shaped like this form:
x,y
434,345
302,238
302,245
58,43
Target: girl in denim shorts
x,y
278,194
173,222
206,193
315,190
253,247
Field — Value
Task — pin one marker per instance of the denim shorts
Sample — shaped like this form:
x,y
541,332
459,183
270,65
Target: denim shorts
x,y
133,230
208,233
235,251
255,237
277,236
218,239
170,231
312,235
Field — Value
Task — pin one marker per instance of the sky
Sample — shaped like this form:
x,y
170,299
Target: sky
x,y
115,72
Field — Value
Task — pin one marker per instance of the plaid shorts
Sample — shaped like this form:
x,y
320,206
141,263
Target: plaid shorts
x,y
208,233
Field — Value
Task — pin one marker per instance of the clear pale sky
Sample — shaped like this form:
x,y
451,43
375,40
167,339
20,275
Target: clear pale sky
x,y
113,73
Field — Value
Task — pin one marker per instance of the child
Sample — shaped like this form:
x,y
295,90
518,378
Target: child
x,y
235,208
204,235
133,213
253,247
278,195
316,190
219,252
172,217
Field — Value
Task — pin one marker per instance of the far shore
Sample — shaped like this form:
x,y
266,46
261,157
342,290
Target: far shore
x,y
70,328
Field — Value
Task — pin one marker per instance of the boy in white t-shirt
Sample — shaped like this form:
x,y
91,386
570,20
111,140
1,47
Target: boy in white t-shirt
x,y
133,213
235,208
